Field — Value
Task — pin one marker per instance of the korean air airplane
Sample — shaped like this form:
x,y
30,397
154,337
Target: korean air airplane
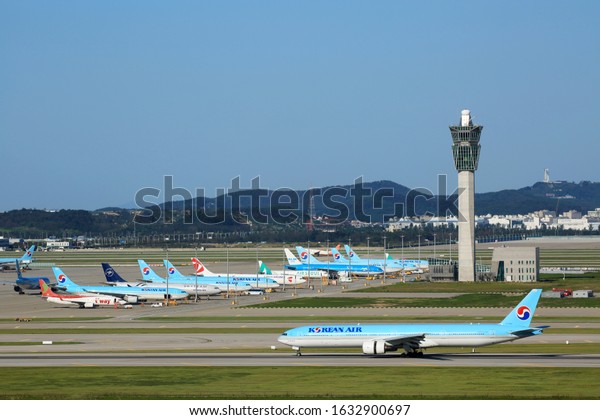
x,y
259,281
308,262
24,260
131,294
413,338
409,264
389,265
292,261
176,277
200,289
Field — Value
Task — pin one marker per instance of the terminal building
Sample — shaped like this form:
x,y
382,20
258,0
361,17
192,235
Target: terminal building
x,y
518,264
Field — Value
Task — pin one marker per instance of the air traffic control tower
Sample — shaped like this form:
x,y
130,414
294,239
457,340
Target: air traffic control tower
x,y
465,148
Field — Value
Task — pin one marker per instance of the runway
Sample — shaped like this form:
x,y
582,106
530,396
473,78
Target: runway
x,y
76,344
290,359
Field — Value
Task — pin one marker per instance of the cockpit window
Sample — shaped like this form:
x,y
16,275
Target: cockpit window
x,y
284,334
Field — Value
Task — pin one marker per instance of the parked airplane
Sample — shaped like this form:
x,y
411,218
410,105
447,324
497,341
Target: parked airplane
x,y
315,252
27,283
84,301
382,338
255,280
113,278
288,277
130,294
24,260
225,286
390,266
308,262
312,274
419,264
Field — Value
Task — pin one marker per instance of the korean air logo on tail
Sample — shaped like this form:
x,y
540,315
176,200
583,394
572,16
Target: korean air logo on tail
x,y
145,271
337,256
523,313
304,255
29,253
171,270
351,254
62,278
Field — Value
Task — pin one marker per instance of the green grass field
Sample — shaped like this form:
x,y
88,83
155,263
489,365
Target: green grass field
x,y
461,301
303,382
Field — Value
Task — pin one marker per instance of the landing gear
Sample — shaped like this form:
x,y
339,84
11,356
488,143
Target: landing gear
x,y
298,353
413,354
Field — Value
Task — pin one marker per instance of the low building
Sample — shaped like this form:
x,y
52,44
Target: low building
x,y
583,294
519,264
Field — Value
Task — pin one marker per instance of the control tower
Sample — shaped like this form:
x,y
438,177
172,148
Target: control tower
x,y
465,148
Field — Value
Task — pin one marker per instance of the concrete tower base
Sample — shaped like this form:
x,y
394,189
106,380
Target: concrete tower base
x,y
466,226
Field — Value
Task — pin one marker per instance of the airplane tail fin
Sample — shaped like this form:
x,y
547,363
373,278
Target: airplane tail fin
x,y
292,260
338,257
306,257
351,254
46,291
522,314
111,275
19,275
200,269
171,270
148,274
388,256
263,269
28,255
64,281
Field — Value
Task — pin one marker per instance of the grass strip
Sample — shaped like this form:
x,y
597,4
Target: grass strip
x,y
299,382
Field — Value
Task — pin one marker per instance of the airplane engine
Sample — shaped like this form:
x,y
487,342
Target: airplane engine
x,y
374,347
131,299
88,305
19,290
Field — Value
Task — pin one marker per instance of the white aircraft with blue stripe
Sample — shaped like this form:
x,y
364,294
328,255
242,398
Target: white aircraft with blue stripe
x,y
390,265
176,277
412,338
308,262
131,294
24,260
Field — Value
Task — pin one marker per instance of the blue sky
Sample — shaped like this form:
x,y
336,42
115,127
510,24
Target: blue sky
x,y
99,99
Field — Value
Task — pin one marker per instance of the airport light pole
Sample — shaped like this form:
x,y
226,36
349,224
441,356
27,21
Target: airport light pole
x,y
167,268
368,252
434,256
403,265
308,257
196,275
350,262
419,236
384,259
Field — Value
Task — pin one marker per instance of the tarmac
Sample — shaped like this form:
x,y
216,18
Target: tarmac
x,y
222,347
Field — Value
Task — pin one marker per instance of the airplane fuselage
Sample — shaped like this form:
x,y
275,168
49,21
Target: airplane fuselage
x,y
434,335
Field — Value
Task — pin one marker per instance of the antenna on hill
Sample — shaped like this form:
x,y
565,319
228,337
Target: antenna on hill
x,y
547,176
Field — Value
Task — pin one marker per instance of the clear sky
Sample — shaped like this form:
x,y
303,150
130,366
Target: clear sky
x,y
99,99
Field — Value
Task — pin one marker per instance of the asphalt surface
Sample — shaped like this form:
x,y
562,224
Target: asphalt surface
x,y
178,349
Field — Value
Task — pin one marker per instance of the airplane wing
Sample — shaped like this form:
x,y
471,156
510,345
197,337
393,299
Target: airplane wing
x,y
414,341
529,331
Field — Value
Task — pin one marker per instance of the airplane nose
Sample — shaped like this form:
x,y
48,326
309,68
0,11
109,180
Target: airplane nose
x,y
283,339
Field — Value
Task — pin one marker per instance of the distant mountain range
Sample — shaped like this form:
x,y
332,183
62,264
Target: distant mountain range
x,y
380,200
367,202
